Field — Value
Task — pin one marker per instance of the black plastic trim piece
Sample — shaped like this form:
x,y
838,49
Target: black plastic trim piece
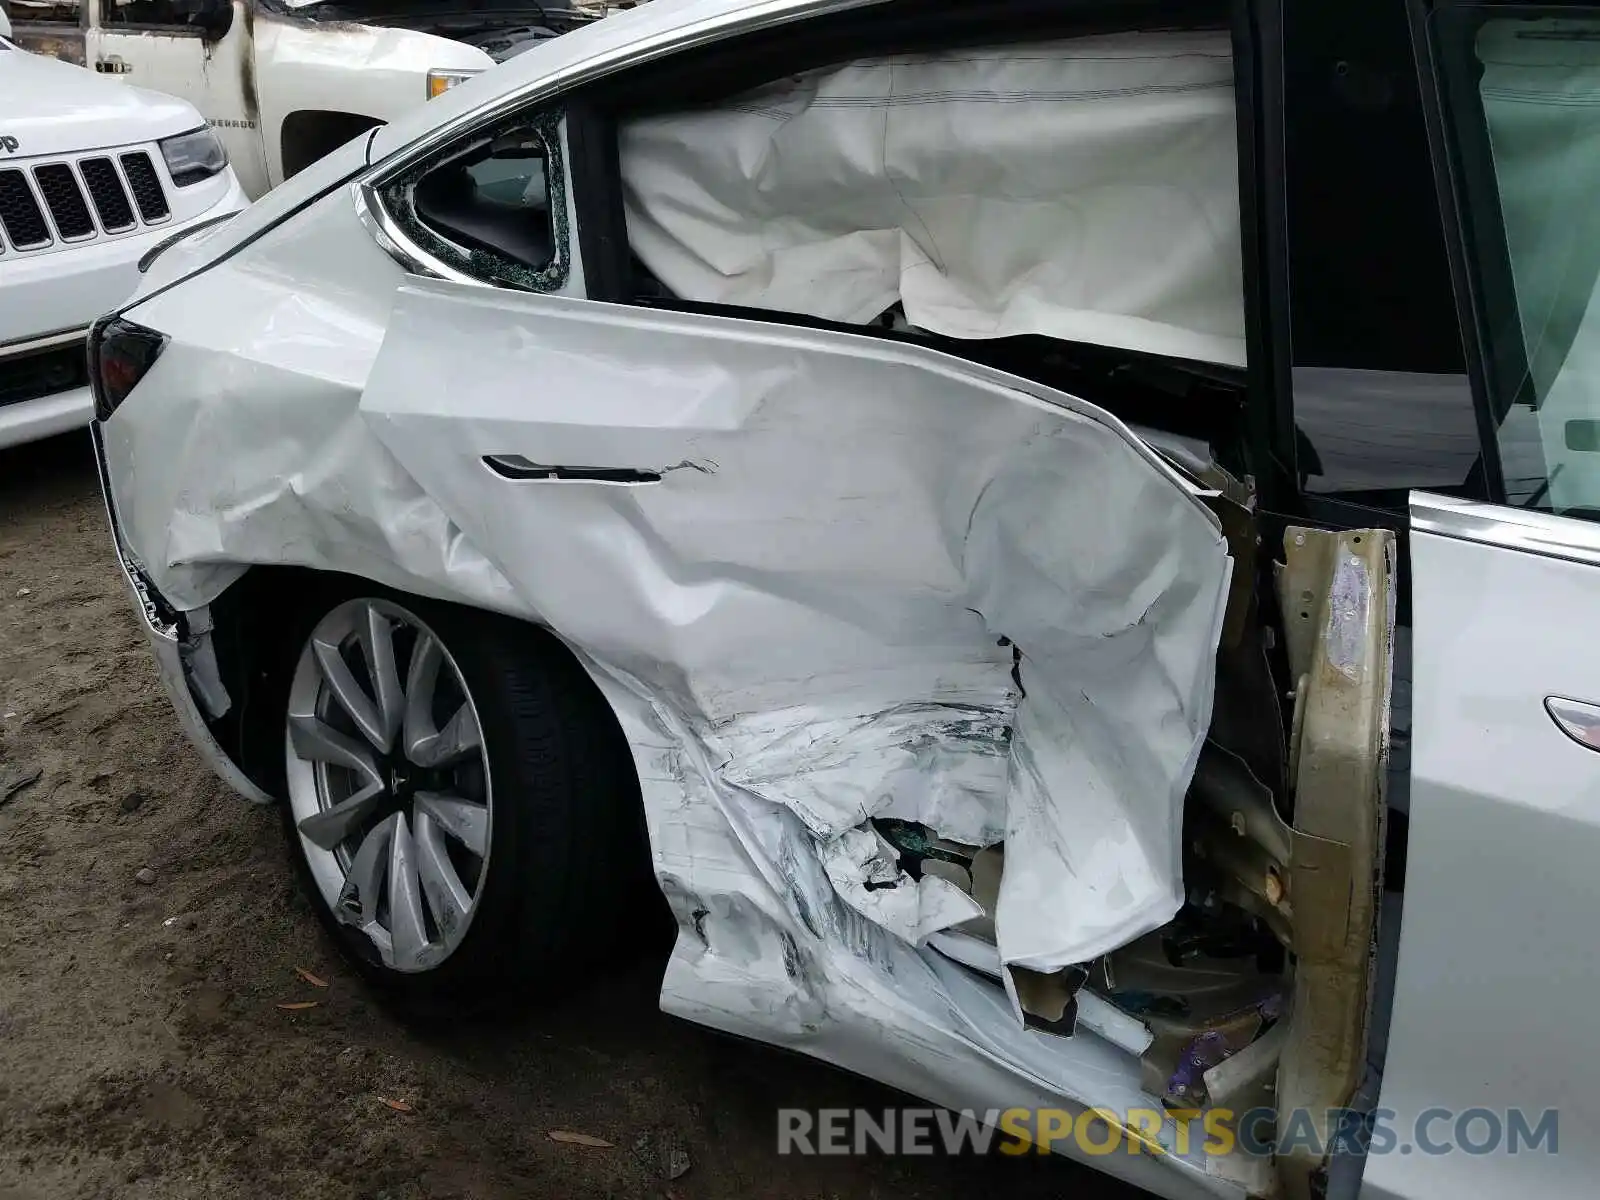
x,y
1474,337
1258,99
595,169
519,469
165,244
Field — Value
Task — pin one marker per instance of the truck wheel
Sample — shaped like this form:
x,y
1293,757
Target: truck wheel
x,y
460,797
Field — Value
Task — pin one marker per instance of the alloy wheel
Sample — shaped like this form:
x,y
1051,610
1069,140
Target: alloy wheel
x,y
388,781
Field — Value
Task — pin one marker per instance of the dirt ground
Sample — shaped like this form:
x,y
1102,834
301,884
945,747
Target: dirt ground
x,y
144,1051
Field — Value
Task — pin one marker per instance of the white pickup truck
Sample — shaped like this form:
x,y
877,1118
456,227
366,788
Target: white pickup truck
x,y
284,82
94,178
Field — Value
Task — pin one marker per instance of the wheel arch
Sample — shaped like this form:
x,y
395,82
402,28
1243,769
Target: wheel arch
x,y
309,134
572,798
255,626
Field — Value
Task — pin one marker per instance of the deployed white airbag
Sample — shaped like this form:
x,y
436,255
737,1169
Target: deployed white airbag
x,y
1086,190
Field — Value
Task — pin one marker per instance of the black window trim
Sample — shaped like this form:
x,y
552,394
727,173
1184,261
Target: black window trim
x,y
1258,88
594,171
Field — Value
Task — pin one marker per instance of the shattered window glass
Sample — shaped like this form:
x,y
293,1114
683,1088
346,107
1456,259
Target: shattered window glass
x,y
490,208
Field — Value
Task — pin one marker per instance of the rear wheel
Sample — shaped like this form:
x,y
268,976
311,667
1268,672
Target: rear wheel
x,y
460,799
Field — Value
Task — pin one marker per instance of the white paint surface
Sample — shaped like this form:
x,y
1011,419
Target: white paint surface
x,y
800,625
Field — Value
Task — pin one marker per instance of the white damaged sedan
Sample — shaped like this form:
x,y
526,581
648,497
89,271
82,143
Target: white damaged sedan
x,y
841,490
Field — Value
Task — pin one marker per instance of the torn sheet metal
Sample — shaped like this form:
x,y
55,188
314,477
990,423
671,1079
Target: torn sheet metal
x,y
1086,190
768,950
942,763
863,869
820,627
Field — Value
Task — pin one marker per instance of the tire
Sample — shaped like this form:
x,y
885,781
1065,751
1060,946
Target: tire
x,y
565,866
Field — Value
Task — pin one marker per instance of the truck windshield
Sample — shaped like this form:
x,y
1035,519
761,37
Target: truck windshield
x,y
1522,103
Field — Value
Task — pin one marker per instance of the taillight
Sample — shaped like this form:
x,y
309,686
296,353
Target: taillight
x,y
120,354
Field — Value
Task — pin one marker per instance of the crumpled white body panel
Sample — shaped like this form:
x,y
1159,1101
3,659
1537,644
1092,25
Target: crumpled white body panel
x,y
1085,190
809,620
824,587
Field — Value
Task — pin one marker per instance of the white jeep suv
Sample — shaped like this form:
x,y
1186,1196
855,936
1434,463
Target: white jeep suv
x,y
94,176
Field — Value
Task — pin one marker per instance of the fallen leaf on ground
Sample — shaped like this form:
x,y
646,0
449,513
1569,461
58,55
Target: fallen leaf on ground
x,y
677,1162
397,1105
310,978
298,1006
578,1139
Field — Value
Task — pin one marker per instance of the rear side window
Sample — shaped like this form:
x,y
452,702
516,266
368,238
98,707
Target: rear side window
x,y
495,200
493,209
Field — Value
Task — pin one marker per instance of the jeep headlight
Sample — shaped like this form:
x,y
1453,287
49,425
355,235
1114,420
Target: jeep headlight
x,y
441,80
194,156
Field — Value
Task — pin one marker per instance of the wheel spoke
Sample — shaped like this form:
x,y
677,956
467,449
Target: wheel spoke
x,y
333,825
342,684
447,897
358,899
377,643
314,740
421,679
459,738
425,743
461,819
406,927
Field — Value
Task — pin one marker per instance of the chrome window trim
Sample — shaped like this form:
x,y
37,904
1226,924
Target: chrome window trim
x,y
43,341
394,241
1524,530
